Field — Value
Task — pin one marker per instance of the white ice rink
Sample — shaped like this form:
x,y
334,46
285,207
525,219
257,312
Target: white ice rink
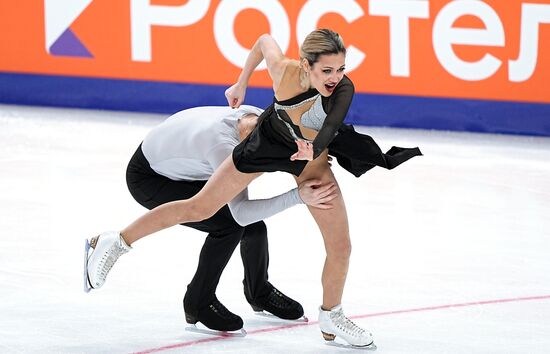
x,y
451,251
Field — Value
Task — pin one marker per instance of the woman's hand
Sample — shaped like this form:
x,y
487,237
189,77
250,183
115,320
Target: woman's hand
x,y
235,95
305,151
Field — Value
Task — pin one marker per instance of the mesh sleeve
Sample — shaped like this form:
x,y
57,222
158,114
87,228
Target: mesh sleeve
x,y
339,103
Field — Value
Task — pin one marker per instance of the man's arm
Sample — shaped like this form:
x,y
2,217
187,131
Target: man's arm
x,y
247,211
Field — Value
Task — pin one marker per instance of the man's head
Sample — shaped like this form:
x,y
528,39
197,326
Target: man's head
x,y
247,123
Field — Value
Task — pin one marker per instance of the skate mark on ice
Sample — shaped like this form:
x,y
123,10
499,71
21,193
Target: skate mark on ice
x,y
376,314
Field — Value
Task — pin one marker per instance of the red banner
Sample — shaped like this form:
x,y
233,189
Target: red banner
x,y
490,49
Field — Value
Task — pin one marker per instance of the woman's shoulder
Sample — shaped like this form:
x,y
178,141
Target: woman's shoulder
x,y
289,85
345,87
346,81
292,63
290,67
343,93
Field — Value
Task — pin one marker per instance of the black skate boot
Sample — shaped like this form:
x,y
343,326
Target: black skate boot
x,y
216,317
276,303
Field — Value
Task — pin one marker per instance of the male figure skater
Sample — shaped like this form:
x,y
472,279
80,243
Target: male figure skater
x,y
174,162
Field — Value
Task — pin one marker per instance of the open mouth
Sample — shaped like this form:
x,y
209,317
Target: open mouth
x,y
330,87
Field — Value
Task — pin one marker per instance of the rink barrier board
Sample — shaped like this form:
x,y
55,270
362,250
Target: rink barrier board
x,y
367,109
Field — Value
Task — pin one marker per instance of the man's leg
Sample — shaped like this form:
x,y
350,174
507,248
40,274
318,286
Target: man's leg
x,y
255,257
150,190
215,254
258,290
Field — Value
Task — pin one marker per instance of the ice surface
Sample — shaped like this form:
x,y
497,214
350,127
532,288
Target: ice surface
x,y
468,225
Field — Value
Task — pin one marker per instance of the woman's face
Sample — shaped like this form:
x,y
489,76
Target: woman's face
x,y
326,73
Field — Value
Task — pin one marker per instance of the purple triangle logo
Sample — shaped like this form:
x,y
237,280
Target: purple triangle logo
x,y
69,45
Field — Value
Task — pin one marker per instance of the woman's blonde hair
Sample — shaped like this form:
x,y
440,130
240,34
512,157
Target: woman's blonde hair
x,y
319,42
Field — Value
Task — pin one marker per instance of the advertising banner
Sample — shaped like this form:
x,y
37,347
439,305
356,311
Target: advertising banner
x,y
462,64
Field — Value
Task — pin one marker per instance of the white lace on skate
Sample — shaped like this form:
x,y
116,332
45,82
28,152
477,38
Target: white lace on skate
x,y
108,247
334,323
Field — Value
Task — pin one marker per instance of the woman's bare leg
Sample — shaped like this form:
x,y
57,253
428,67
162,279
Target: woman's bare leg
x,y
223,185
333,224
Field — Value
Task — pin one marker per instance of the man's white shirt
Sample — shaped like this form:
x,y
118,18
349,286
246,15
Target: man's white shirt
x,y
191,144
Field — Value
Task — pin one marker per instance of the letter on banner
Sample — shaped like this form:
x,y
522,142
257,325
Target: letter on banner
x,y
532,15
399,12
313,10
444,36
59,15
224,34
145,15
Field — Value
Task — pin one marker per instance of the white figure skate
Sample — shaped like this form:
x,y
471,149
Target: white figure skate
x,y
334,324
106,249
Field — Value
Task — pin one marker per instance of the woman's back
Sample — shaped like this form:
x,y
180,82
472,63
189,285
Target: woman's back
x,y
295,100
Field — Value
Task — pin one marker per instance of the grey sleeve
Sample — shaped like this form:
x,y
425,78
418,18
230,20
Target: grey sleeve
x,y
244,210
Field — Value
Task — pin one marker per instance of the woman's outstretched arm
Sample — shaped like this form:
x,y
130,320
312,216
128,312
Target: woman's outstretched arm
x,y
264,48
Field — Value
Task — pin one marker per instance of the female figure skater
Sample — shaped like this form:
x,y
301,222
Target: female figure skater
x,y
312,97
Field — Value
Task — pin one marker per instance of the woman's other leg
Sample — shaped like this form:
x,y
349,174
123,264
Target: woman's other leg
x,y
333,224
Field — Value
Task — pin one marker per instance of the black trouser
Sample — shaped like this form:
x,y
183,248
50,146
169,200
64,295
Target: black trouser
x,y
151,190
